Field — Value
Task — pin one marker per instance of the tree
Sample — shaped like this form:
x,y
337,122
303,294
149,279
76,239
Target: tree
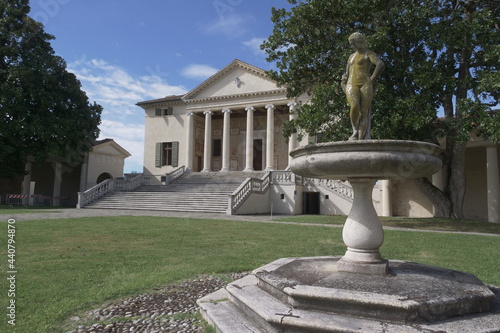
x,y
439,55
43,110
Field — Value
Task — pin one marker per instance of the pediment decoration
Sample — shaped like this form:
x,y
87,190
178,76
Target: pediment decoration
x,y
238,79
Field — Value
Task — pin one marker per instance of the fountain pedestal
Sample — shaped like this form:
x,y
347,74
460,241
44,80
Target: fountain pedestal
x,y
363,233
361,291
363,163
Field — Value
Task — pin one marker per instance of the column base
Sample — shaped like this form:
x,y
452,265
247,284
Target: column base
x,y
205,170
224,170
380,268
248,169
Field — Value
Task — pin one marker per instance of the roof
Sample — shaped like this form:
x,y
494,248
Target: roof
x,y
160,100
112,142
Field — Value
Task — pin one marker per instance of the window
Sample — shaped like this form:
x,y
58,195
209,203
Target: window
x,y
166,157
169,111
167,153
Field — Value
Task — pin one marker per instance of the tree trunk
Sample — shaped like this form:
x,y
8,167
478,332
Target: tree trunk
x,y
442,204
456,184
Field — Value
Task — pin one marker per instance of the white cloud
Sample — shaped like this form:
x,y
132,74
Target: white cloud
x,y
232,26
196,71
254,45
118,91
130,137
102,80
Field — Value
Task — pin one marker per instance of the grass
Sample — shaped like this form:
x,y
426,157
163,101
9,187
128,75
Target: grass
x,y
69,266
19,209
433,224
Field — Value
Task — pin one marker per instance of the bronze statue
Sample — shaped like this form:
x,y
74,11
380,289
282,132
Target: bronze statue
x,y
359,85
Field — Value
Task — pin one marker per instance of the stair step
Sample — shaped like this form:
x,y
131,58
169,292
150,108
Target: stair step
x,y
194,192
244,303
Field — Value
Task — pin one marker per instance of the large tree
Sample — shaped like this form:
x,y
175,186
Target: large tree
x,y
43,110
441,57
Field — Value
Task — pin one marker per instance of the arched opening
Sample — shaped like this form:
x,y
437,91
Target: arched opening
x,y
103,176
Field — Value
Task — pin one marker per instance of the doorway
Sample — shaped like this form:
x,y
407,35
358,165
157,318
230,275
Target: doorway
x,y
257,154
310,204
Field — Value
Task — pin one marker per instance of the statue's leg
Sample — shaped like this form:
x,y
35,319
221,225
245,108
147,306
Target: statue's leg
x,y
366,98
353,97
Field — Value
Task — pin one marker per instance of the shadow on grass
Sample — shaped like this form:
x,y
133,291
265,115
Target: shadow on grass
x,y
433,224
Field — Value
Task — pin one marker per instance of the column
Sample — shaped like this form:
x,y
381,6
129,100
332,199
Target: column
x,y
270,138
226,142
249,146
493,185
84,170
292,143
27,183
386,198
190,141
208,141
56,193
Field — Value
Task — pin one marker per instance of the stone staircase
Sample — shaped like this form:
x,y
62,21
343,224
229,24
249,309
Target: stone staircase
x,y
194,192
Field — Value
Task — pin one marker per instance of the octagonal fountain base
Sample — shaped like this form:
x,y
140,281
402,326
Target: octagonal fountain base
x,y
310,295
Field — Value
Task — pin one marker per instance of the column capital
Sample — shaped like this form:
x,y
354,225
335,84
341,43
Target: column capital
x,y
226,111
270,106
189,114
209,112
250,108
292,104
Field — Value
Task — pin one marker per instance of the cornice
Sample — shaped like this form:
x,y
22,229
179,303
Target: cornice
x,y
237,96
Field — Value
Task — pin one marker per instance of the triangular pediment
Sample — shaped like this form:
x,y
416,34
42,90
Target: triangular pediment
x,y
110,147
236,79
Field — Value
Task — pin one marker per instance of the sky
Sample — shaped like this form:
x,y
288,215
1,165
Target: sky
x,y
127,51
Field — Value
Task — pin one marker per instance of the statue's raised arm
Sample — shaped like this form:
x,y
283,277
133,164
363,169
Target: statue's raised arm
x,y
358,83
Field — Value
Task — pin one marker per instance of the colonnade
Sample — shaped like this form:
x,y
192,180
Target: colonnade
x,y
226,134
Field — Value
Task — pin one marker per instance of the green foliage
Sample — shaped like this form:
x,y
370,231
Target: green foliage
x,y
43,110
438,55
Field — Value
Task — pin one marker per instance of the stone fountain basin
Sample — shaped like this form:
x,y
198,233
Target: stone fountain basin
x,y
376,159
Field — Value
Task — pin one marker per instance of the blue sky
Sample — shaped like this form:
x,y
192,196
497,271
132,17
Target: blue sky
x,y
126,51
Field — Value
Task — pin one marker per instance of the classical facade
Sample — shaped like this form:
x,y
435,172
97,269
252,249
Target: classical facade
x,y
233,122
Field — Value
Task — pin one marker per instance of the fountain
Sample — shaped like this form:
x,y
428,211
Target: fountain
x,y
360,291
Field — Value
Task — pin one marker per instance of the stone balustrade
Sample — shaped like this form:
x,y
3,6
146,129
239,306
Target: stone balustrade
x,y
108,186
249,186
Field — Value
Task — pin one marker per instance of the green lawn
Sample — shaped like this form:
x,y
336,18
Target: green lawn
x,y
68,266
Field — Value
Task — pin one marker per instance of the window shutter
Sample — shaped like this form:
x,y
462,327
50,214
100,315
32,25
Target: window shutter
x,y
175,154
158,153
157,112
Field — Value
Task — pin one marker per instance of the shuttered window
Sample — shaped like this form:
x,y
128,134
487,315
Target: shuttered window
x,y
175,154
167,153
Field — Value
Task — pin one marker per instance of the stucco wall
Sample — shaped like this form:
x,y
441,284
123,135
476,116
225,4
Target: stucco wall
x,y
476,204
164,129
409,201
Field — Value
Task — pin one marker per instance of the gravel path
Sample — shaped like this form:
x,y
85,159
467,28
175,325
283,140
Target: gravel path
x,y
169,309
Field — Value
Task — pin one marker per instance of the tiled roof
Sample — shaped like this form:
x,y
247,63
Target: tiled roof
x,y
100,142
164,99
